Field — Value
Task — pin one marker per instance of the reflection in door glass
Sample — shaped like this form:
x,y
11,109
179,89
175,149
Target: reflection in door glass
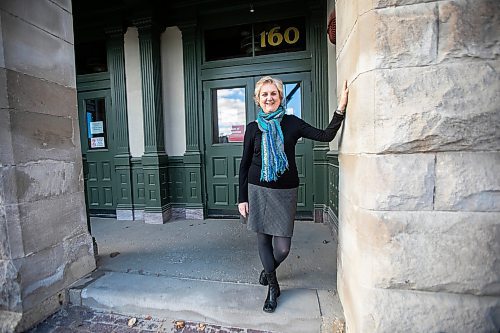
x,y
293,101
95,112
229,115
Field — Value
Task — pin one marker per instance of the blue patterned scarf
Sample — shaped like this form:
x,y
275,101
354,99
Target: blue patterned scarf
x,y
274,161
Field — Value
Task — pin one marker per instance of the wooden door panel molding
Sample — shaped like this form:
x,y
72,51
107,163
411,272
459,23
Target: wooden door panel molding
x,y
300,161
106,171
221,194
219,167
301,195
236,167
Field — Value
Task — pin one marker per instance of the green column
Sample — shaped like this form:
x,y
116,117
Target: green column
x,y
122,186
192,157
319,77
154,161
331,217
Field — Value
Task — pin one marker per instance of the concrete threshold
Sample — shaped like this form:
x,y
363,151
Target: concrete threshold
x,y
213,302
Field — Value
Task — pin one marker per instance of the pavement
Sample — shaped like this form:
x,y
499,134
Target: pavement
x,y
78,319
205,272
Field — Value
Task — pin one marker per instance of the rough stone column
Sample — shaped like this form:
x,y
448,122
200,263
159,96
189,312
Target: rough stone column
x,y
44,242
419,237
157,209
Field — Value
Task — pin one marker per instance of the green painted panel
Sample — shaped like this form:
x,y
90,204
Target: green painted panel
x,y
177,187
92,167
236,190
94,197
301,196
124,187
140,178
108,196
236,167
106,170
221,195
193,184
138,185
333,183
219,167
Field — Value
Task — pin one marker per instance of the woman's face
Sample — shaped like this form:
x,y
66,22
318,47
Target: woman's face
x,y
269,97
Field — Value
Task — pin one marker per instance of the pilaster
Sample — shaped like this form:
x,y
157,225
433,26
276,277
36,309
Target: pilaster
x,y
116,66
154,160
319,77
193,155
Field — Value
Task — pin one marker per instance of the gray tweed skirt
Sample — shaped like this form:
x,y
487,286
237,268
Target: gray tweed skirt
x,y
271,211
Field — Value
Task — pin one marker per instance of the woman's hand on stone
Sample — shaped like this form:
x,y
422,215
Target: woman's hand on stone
x,y
343,97
243,208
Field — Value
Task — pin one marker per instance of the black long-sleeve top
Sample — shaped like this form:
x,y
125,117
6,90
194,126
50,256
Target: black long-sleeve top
x,y
293,129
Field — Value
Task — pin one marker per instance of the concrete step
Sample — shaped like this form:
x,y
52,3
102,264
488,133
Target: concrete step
x,y
213,302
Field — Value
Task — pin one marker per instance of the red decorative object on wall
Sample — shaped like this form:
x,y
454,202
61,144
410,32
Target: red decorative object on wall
x,y
332,28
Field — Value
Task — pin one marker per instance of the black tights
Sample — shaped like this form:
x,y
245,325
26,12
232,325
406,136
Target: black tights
x,y
272,257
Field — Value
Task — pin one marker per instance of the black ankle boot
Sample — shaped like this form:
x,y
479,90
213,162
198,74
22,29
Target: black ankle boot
x,y
273,292
263,278
263,281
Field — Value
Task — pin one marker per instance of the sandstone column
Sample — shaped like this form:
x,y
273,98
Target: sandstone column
x,y
44,242
419,238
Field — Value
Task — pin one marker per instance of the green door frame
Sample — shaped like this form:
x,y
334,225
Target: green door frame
x,y
222,159
198,71
100,164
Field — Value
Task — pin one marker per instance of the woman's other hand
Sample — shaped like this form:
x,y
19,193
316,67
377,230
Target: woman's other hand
x,y
243,208
343,97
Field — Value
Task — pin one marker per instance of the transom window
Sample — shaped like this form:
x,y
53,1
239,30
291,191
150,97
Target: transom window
x,y
256,39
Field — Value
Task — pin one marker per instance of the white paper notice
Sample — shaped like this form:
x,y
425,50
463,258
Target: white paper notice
x,y
97,142
96,127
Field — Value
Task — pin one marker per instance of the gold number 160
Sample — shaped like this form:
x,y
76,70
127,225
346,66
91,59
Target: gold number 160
x,y
275,38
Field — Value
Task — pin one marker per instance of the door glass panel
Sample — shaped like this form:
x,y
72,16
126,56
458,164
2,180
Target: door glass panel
x,y
95,113
229,114
293,99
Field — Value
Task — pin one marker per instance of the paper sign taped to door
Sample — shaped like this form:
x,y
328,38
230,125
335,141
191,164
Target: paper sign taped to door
x,y
96,127
97,142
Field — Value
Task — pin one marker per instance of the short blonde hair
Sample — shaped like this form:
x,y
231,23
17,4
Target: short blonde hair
x,y
267,79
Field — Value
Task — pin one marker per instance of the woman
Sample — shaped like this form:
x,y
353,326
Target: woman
x,y
269,178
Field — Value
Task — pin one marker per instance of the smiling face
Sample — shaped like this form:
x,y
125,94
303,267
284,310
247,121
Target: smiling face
x,y
269,98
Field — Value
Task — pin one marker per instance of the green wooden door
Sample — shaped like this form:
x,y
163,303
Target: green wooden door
x,y
96,123
298,102
228,106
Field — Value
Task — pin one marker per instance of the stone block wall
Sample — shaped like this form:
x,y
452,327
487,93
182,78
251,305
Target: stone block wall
x,y
44,242
419,233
